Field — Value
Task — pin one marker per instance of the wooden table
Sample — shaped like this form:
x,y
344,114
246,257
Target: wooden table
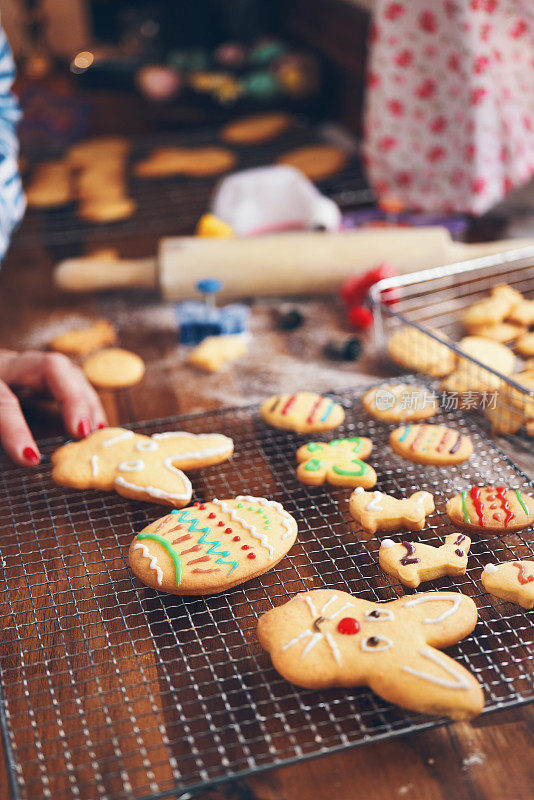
x,y
486,760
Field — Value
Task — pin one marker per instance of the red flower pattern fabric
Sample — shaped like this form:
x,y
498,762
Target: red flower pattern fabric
x,y
449,117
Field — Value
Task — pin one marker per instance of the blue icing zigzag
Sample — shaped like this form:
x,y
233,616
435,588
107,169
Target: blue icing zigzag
x,y
183,517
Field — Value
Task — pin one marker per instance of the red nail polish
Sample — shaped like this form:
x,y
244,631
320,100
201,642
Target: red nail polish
x,y
31,455
84,428
101,425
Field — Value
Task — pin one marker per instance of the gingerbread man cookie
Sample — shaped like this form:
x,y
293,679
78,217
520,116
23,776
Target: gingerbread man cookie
x,y
512,581
491,509
431,444
339,462
376,511
414,562
140,467
212,546
303,412
400,402
329,638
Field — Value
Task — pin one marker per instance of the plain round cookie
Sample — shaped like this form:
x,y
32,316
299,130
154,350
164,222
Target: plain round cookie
x,y
80,341
525,344
256,128
498,331
210,547
400,402
415,350
491,509
317,161
114,368
303,412
431,444
488,352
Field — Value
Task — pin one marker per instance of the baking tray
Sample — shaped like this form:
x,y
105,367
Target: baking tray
x,y
112,690
172,206
436,299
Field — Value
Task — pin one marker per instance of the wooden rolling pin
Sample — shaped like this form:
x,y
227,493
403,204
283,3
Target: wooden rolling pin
x,y
278,264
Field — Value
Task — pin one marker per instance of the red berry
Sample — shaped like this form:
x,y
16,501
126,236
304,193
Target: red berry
x,y
348,626
355,290
361,317
236,539
245,547
228,530
251,555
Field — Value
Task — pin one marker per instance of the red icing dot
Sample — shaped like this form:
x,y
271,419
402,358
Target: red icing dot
x,y
201,507
493,505
348,625
211,516
251,555
496,516
220,523
228,530
245,547
236,539
196,503
490,497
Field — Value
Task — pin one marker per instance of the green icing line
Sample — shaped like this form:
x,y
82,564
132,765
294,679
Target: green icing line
x,y
168,547
313,465
522,502
362,469
313,446
240,505
464,508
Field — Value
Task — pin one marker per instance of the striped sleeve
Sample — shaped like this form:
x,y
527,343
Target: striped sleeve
x,y
12,201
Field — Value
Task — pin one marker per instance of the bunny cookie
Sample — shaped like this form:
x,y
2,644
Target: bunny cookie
x,y
141,467
376,511
414,562
328,638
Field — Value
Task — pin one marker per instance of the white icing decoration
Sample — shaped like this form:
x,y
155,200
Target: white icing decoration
x,y
94,466
316,637
377,648
340,609
146,447
447,613
153,561
234,516
198,454
460,681
309,602
387,543
359,490
153,491
296,639
491,569
385,614
328,603
119,438
131,466
333,647
287,520
374,504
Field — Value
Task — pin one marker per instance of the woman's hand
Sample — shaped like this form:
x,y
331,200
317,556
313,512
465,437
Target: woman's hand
x,y
59,377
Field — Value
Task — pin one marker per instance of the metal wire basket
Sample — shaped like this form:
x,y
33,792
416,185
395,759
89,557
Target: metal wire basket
x,y
433,302
112,690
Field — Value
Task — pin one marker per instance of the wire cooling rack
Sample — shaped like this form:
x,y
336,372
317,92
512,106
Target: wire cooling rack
x,y
173,205
112,690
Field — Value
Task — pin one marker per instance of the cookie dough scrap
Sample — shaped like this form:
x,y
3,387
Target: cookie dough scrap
x,y
303,412
376,511
431,444
195,161
491,510
415,562
339,462
415,350
317,162
50,186
212,546
137,466
512,581
400,402
327,638
114,368
256,128
214,352
80,341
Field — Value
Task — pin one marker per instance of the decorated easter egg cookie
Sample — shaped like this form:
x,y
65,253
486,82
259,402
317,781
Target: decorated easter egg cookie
x,y
212,546
303,412
431,444
491,509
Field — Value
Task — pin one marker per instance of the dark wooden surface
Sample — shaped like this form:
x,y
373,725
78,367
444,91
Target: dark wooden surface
x,y
486,760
